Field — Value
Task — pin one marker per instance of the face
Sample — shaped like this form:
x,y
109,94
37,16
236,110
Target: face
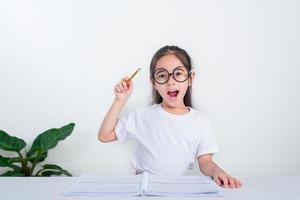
x,y
172,91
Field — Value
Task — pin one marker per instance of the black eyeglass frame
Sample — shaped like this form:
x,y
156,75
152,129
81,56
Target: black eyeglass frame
x,y
171,74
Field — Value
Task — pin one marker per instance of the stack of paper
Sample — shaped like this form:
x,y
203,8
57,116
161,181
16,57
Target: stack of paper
x,y
144,184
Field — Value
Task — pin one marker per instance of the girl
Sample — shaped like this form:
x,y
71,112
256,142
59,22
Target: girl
x,y
170,134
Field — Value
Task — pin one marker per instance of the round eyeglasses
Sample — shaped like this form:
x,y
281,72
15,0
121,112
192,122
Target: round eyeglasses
x,y
162,76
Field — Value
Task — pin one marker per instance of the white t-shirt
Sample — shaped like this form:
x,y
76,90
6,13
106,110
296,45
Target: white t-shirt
x,y
167,144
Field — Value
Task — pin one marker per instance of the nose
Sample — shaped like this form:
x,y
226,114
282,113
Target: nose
x,y
171,80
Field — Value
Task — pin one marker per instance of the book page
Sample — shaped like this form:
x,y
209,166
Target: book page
x,y
87,185
182,186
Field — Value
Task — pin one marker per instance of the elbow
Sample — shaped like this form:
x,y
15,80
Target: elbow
x,y
100,137
104,138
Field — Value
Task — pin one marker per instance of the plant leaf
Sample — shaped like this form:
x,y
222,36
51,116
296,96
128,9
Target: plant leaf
x,y
11,143
8,162
16,167
49,139
41,158
13,173
51,166
49,170
51,173
4,162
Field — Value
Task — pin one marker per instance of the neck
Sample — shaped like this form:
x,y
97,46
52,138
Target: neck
x,y
179,110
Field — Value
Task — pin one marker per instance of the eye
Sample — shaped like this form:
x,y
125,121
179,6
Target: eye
x,y
178,73
161,76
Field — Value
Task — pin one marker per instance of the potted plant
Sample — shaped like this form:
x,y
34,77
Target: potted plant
x,y
25,163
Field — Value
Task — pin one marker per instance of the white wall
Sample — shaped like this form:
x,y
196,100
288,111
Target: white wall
x,y
60,60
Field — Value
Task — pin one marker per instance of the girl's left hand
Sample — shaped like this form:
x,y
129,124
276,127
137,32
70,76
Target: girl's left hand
x,y
222,178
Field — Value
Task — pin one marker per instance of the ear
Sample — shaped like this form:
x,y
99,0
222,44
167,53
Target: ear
x,y
153,84
191,79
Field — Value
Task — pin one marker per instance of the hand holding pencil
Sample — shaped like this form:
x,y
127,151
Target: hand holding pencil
x,y
124,88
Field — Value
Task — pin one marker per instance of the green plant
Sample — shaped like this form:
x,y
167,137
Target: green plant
x,y
25,163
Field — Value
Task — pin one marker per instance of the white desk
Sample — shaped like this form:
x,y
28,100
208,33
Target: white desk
x,y
42,188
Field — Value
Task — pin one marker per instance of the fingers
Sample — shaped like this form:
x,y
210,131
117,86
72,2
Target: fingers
x,y
123,85
234,183
227,181
231,182
117,89
127,83
237,183
217,180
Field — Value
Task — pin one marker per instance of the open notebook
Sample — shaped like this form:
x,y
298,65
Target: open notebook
x,y
144,184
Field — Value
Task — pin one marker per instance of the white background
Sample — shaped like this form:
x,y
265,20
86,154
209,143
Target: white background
x,y
60,60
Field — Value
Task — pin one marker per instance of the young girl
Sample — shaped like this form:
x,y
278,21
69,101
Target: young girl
x,y
170,134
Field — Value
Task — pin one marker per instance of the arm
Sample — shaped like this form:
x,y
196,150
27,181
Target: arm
x,y
209,168
107,129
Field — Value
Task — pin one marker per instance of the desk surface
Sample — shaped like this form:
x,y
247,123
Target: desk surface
x,y
36,188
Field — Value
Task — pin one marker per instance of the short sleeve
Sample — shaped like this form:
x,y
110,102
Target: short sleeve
x,y
126,127
207,143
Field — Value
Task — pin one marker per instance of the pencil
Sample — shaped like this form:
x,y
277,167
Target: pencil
x,y
133,75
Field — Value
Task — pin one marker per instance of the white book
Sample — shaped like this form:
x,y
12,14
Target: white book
x,y
144,184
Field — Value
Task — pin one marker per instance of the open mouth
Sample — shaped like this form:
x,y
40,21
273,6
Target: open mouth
x,y
173,93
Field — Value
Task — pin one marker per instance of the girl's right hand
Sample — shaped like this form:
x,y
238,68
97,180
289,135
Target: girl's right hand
x,y
123,89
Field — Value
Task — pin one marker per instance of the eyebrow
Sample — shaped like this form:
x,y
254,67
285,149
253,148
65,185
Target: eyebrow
x,y
162,68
